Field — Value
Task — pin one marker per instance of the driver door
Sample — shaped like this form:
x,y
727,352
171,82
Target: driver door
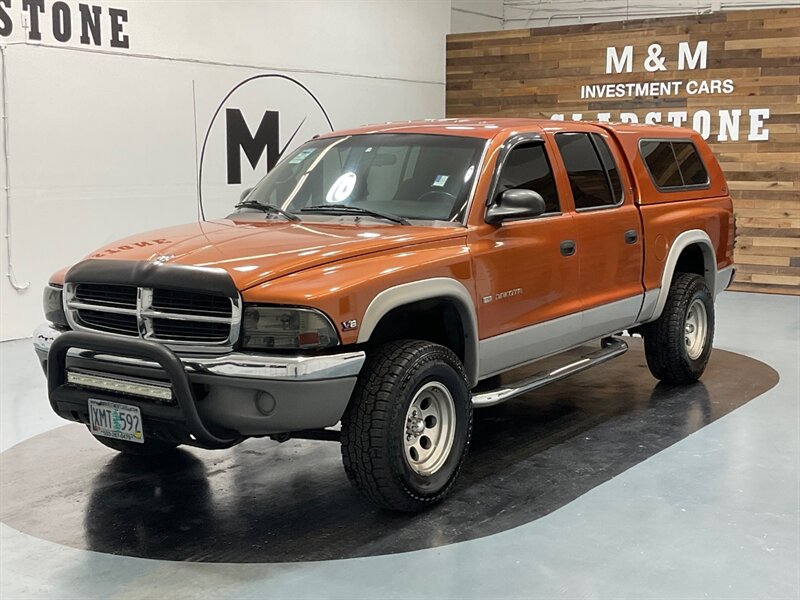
x,y
527,269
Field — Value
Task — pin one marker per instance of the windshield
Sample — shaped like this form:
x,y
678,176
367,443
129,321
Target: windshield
x,y
411,176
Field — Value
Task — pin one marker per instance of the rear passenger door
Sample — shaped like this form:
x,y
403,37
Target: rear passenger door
x,y
607,227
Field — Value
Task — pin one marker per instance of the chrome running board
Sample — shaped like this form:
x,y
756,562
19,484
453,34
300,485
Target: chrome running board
x,y
611,348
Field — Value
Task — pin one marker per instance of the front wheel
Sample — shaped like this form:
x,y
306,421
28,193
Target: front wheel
x,y
408,425
677,345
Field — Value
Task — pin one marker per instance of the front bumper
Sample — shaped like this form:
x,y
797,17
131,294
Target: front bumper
x,y
216,400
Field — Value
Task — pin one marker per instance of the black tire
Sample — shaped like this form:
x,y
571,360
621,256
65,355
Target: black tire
x,y
151,447
375,427
670,358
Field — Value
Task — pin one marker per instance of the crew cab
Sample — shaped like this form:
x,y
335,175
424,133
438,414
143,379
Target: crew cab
x,y
374,285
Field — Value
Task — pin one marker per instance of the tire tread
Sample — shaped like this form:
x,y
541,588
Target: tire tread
x,y
663,338
366,439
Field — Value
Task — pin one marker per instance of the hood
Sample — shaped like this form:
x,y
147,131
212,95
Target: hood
x,y
255,252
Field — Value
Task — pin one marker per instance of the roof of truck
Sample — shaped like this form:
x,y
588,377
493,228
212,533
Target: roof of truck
x,y
489,127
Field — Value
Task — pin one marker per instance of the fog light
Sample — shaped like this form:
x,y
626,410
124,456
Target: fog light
x,y
265,403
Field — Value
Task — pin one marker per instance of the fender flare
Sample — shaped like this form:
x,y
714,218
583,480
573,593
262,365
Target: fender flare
x,y
428,289
684,240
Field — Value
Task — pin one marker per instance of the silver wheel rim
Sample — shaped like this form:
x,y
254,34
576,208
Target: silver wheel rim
x,y
695,329
430,428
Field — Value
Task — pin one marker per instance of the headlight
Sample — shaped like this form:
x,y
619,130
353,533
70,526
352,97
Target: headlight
x,y
54,305
286,328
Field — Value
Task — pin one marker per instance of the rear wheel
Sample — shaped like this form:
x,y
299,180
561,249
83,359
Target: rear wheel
x,y
677,345
151,447
408,425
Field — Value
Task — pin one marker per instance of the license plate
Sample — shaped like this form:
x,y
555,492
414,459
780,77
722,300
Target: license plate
x,y
119,421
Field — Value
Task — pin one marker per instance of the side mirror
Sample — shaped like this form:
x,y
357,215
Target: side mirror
x,y
516,204
244,194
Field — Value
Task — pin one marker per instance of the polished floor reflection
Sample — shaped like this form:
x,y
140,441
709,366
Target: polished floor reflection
x,y
269,502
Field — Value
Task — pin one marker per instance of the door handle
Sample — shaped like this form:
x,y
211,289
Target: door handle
x,y
631,236
568,247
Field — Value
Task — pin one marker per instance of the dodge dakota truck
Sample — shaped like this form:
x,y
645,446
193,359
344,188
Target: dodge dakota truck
x,y
374,285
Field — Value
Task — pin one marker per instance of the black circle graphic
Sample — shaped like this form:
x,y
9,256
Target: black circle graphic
x,y
219,108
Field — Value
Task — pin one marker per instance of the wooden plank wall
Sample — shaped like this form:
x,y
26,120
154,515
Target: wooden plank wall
x,y
539,73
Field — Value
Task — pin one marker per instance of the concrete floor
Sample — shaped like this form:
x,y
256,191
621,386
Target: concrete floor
x,y
716,515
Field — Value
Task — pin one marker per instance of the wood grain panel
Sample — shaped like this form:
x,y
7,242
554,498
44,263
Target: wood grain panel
x,y
539,72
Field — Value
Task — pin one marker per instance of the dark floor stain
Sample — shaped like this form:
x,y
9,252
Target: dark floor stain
x,y
268,502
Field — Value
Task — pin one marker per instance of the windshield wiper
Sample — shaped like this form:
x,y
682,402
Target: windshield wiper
x,y
344,209
267,208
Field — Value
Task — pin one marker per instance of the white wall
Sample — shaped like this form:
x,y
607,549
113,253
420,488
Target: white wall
x,y
467,16
522,14
489,15
102,140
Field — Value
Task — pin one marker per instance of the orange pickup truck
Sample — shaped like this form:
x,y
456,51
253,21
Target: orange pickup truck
x,y
382,278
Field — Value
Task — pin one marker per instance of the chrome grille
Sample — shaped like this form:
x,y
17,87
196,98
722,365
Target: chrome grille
x,y
109,295
187,331
110,322
191,304
195,321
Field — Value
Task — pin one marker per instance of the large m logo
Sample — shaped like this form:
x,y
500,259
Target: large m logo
x,y
238,136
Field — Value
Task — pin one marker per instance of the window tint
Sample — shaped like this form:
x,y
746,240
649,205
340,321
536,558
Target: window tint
x,y
610,166
427,177
330,169
661,162
587,177
692,169
383,176
673,164
435,172
527,167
